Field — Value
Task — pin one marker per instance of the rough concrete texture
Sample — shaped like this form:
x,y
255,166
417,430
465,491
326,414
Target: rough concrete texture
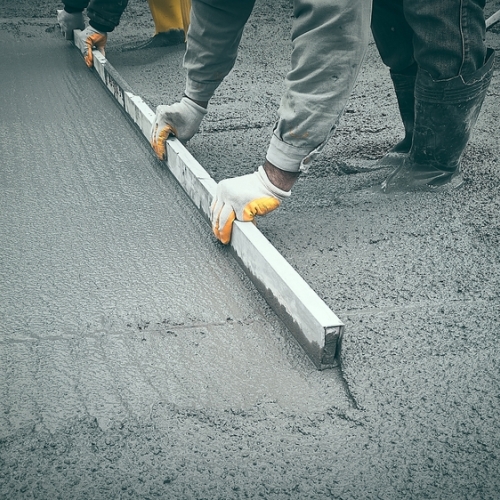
x,y
117,383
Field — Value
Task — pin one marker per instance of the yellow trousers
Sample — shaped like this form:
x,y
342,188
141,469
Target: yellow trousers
x,y
170,14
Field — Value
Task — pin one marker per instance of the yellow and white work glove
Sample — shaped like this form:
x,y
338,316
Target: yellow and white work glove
x,y
93,39
181,119
69,22
243,198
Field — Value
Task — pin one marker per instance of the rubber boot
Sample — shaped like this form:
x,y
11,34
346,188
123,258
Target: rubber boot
x,y
446,112
404,86
171,18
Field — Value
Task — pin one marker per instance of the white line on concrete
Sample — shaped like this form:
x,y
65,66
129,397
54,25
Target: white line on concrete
x,y
317,329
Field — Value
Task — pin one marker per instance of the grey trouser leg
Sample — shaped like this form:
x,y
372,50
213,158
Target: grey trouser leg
x,y
213,37
330,38
329,42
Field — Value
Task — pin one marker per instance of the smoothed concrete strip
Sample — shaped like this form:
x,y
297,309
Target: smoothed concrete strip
x,y
314,325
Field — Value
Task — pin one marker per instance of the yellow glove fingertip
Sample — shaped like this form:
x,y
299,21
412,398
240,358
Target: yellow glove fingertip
x,y
224,235
159,150
89,56
159,145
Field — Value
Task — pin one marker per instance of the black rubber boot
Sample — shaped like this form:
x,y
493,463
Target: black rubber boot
x,y
445,114
404,85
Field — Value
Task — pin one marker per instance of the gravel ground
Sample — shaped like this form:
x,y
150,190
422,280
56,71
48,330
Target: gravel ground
x,y
414,409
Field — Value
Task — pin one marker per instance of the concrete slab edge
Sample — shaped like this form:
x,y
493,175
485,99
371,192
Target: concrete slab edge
x,y
313,324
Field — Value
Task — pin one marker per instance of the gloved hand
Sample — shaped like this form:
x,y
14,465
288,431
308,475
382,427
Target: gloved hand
x,y
93,38
181,119
69,22
243,198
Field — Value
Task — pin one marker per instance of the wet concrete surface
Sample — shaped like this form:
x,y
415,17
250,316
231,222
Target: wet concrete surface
x,y
137,360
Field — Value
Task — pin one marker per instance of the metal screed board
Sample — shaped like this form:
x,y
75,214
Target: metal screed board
x,y
317,329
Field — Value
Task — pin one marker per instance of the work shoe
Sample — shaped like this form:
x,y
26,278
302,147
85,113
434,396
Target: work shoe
x,y
446,112
164,39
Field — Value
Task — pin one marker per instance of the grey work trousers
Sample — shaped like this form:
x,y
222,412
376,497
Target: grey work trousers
x,y
329,41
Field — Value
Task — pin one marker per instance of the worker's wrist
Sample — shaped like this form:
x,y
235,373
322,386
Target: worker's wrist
x,y
203,104
280,178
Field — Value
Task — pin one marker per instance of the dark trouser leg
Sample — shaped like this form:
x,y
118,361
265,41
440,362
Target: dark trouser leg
x,y
448,36
212,45
394,39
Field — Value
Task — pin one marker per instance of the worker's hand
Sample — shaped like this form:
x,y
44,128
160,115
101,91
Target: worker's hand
x,y
69,22
181,119
243,198
93,39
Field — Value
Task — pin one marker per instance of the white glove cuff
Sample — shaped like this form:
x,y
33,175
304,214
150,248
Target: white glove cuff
x,y
90,30
196,109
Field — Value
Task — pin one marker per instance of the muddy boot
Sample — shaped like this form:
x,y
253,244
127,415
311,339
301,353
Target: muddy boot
x,y
445,114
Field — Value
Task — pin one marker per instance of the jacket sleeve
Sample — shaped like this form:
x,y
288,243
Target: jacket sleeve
x,y
75,5
105,15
